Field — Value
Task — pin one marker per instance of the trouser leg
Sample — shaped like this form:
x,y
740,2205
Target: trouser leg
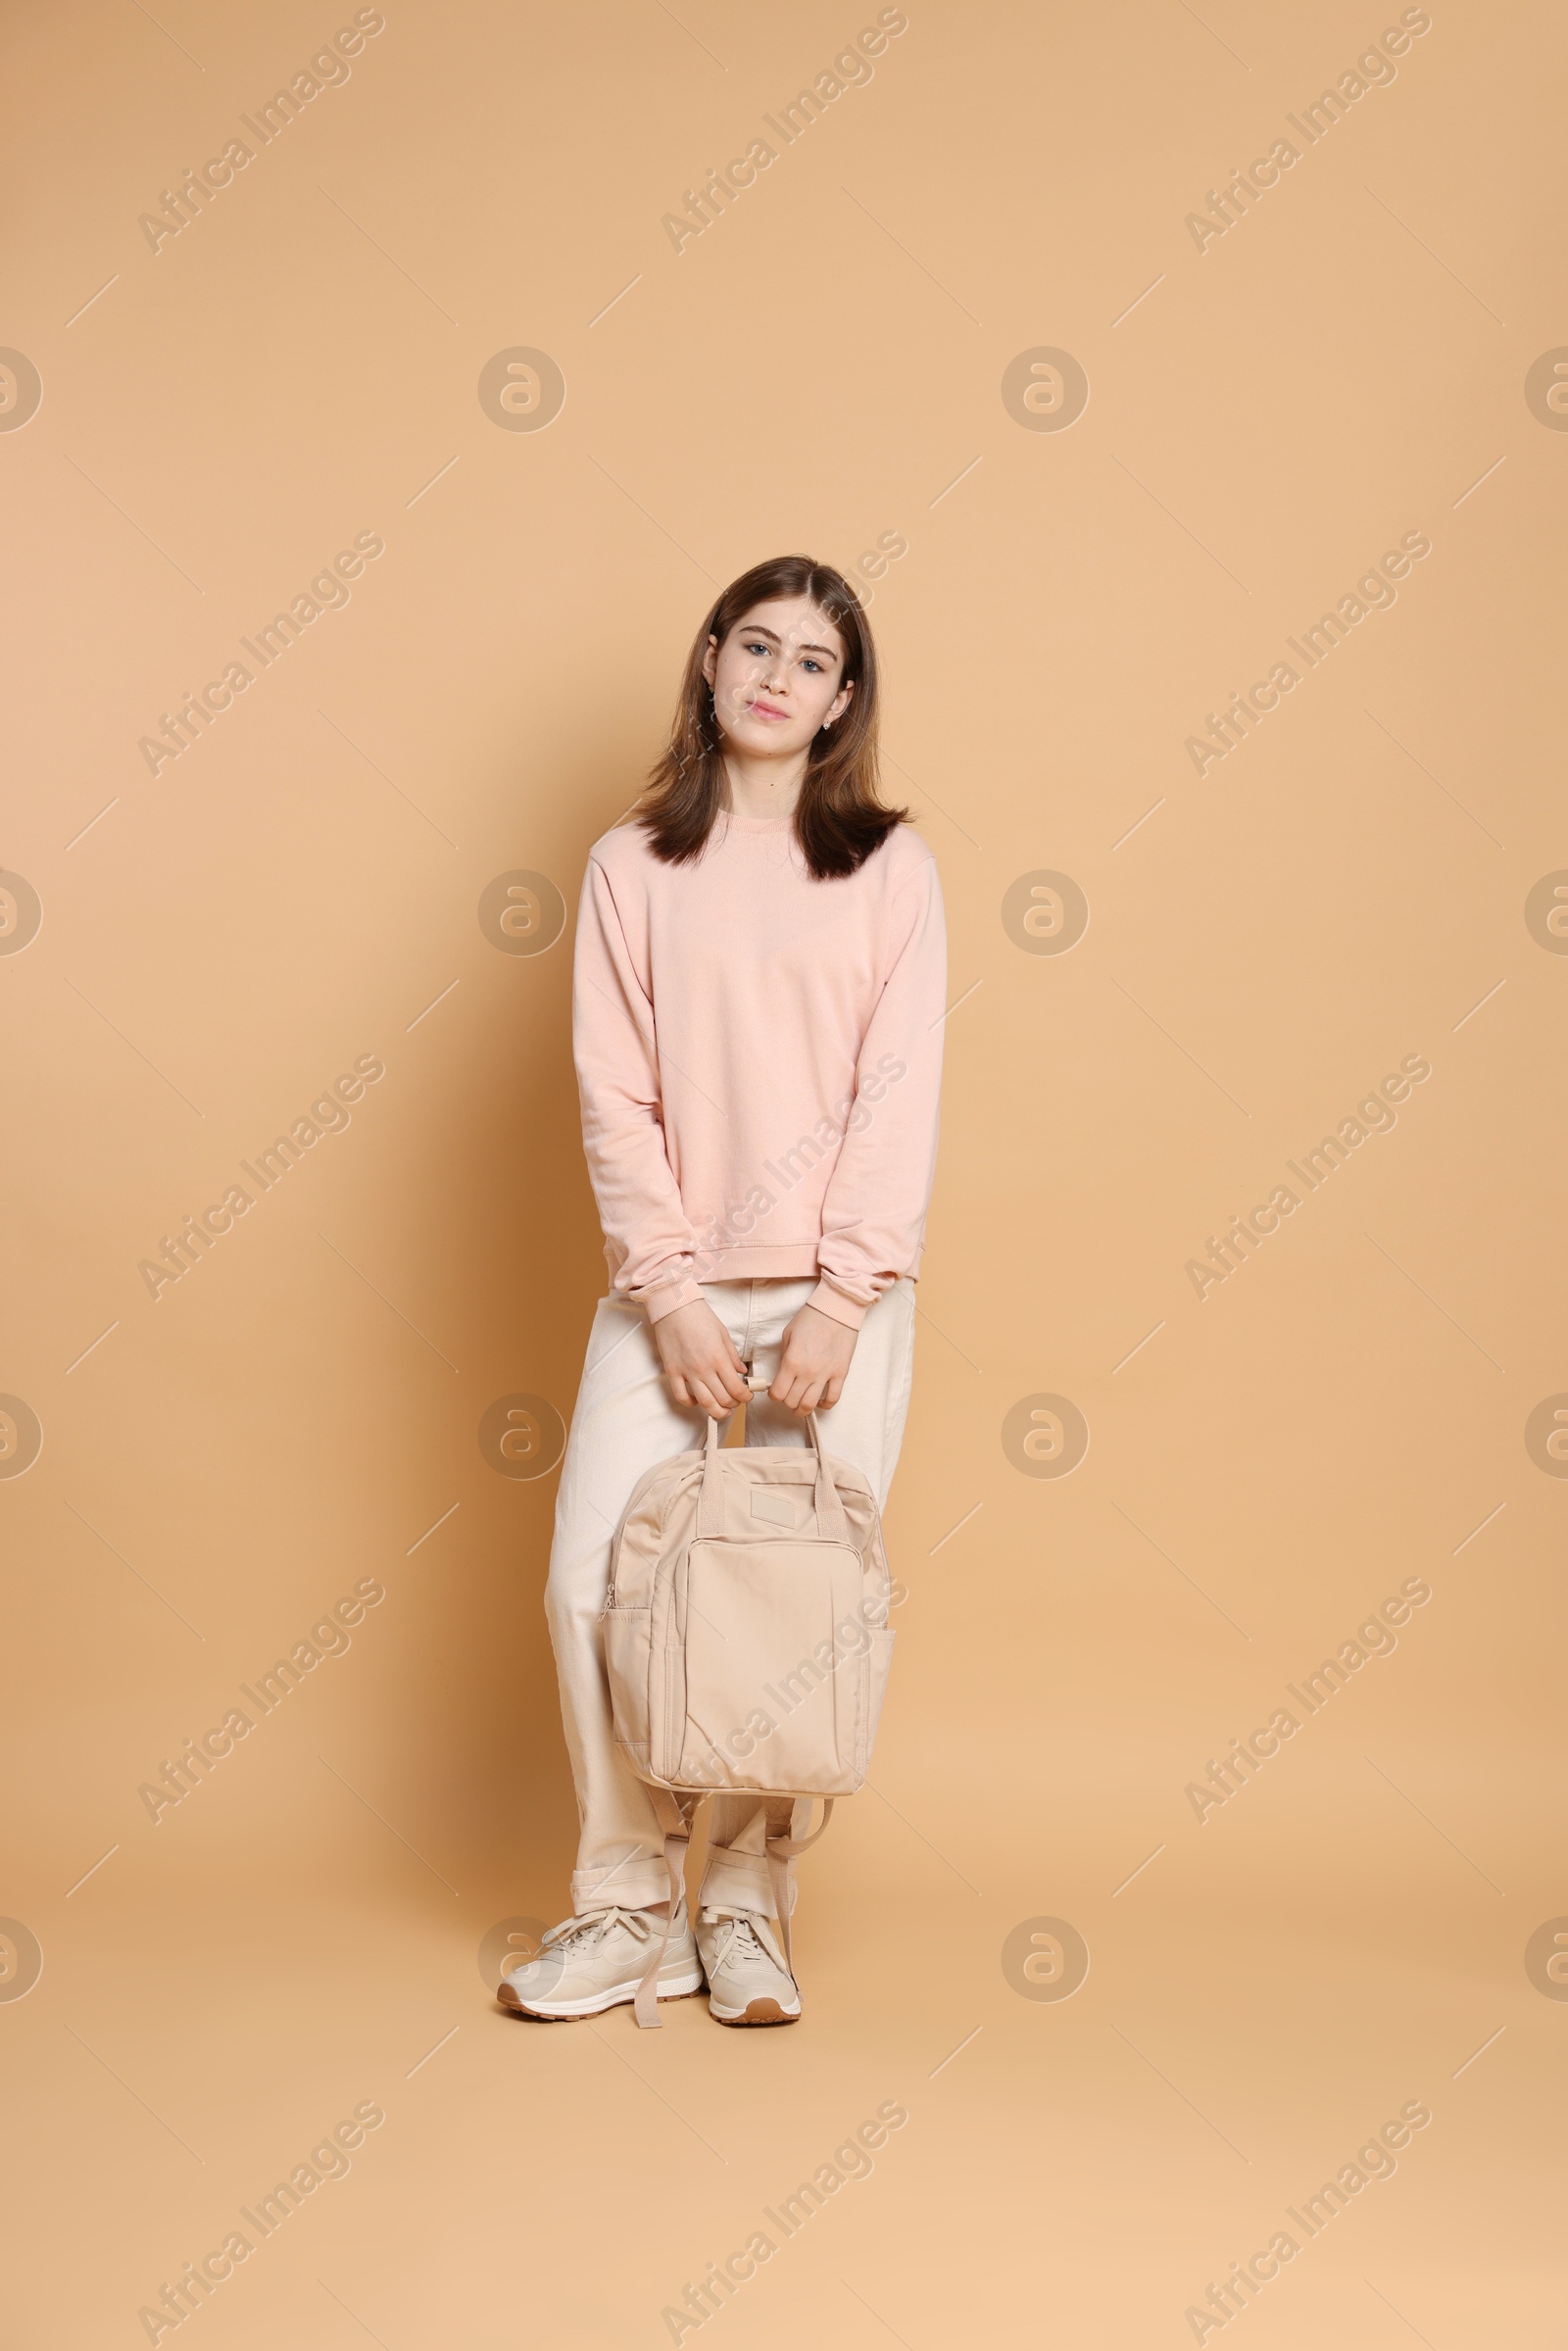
x,y
623,1423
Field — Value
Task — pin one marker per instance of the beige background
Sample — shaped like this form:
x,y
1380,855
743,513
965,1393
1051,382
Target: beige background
x,y
301,888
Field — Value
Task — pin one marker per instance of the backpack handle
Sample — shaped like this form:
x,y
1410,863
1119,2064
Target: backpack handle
x,y
830,1517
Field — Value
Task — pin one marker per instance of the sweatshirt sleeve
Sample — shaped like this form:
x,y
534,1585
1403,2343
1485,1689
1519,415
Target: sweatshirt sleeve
x,y
615,1047
873,1214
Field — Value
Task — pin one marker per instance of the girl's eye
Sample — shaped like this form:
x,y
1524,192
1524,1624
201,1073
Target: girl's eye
x,y
814,666
762,649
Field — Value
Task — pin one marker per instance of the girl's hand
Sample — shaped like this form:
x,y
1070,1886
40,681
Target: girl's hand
x,y
817,1354
700,1360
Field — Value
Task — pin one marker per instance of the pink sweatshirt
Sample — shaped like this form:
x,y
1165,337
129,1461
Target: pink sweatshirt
x,y
758,1055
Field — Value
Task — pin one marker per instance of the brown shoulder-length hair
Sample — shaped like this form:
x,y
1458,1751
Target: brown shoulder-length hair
x,y
839,817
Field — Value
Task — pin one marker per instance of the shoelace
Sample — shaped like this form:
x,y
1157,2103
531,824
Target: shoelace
x,y
746,1938
594,1924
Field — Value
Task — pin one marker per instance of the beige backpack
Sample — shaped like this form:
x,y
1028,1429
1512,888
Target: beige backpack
x,y
747,1642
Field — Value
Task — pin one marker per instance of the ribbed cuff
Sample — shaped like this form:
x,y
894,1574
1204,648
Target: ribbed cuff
x,y
668,1298
837,1307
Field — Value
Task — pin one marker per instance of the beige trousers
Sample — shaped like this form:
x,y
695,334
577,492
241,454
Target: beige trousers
x,y
623,1424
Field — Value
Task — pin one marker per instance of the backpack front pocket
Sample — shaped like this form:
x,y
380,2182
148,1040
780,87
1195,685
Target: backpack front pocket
x,y
776,1678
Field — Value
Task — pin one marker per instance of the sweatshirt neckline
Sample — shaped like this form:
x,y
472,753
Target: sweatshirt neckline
x,y
756,824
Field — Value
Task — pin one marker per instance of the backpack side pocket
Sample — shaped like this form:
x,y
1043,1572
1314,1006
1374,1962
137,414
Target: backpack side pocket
x,y
628,1658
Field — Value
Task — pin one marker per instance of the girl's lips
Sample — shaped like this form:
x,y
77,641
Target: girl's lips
x,y
765,709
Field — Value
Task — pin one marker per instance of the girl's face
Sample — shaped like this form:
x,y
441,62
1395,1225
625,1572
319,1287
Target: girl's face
x,y
776,678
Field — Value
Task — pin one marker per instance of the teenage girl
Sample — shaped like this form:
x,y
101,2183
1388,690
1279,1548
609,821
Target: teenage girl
x,y
760,986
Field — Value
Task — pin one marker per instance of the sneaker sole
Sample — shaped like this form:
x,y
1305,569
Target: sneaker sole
x,y
621,1995
756,2012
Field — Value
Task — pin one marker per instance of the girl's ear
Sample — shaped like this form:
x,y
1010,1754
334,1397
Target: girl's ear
x,y
710,659
840,702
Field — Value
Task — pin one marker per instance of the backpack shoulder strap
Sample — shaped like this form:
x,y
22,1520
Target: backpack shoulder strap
x,y
781,1853
675,1821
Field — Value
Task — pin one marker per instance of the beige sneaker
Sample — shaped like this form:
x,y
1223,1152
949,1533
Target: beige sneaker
x,y
748,1980
597,1961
